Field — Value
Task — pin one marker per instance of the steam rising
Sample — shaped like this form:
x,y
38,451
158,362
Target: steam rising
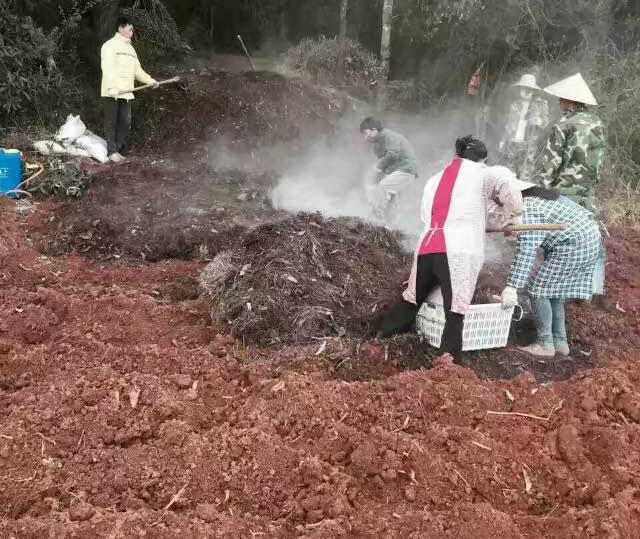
x,y
328,177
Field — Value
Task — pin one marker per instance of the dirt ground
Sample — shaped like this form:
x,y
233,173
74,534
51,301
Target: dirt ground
x,y
207,152
154,209
126,412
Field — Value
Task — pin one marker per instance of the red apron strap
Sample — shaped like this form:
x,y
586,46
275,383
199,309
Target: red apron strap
x,y
434,241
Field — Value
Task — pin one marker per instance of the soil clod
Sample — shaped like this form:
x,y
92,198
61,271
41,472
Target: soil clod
x,y
81,511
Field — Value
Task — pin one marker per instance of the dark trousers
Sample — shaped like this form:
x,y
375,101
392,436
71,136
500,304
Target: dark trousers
x,y
117,123
433,271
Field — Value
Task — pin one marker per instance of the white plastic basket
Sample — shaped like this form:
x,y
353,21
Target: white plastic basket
x,y
485,326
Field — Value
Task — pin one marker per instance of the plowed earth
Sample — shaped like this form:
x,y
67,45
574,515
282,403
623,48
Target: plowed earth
x,y
117,395
125,412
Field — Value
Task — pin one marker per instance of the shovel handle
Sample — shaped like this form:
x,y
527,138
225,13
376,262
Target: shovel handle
x,y
246,51
529,227
160,83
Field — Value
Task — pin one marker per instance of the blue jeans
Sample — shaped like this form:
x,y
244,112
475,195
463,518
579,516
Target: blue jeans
x,y
117,123
598,273
550,320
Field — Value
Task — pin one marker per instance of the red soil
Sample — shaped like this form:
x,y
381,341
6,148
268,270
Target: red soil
x,y
124,413
116,394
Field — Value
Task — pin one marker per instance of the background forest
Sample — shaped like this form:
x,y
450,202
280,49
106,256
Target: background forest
x,y
49,49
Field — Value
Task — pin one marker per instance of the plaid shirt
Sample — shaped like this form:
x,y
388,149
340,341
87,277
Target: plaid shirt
x,y
570,254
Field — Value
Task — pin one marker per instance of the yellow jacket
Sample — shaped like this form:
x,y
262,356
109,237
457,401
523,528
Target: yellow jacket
x,y
121,67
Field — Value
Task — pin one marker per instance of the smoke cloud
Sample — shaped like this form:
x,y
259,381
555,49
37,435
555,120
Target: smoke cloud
x,y
329,175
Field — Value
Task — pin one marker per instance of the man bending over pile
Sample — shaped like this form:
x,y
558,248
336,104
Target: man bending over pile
x,y
395,169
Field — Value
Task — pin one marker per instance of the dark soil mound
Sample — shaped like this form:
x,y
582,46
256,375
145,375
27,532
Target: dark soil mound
x,y
305,277
248,109
197,189
154,210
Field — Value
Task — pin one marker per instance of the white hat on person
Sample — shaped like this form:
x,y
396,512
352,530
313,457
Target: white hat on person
x,y
527,81
573,88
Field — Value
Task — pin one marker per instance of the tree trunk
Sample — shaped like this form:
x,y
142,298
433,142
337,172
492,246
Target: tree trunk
x,y
284,30
106,19
344,4
385,52
344,7
211,23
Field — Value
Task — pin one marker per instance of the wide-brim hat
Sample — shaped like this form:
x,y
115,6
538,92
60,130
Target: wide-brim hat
x,y
527,81
573,88
521,185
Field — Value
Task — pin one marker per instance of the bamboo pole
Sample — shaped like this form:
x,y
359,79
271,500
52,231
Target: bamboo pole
x,y
529,227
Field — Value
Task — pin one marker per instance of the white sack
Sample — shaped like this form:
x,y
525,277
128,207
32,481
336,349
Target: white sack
x,y
48,147
95,145
97,137
72,129
74,151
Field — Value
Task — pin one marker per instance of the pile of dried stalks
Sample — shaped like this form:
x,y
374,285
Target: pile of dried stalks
x,y
306,277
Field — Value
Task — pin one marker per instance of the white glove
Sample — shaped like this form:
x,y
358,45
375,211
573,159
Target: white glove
x,y
113,92
509,297
156,84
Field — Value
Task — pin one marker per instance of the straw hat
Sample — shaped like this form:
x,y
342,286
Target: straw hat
x,y
573,88
527,81
521,185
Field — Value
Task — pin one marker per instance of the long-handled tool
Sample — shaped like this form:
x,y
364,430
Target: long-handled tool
x,y
160,83
246,51
529,227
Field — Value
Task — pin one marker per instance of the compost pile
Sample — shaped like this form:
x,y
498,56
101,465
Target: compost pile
x,y
246,108
305,277
147,210
197,179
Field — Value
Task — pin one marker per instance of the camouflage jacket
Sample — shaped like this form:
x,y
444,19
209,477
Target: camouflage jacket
x,y
573,156
394,153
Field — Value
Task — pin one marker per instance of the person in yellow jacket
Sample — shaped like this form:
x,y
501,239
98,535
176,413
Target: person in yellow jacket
x,y
120,69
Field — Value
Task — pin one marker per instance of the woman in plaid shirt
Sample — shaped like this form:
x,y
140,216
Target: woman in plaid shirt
x,y
570,257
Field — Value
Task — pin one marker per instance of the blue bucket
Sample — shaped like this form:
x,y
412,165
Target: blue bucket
x,y
10,170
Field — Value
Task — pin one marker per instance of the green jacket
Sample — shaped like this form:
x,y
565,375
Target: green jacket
x,y
573,156
394,153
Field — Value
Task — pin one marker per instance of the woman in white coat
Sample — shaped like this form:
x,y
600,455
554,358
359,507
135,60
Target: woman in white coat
x,y
450,252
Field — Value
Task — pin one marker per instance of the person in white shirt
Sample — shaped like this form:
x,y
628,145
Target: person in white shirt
x,y
450,252
526,123
120,69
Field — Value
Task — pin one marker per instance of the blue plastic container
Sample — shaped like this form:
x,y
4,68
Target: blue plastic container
x,y
10,170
